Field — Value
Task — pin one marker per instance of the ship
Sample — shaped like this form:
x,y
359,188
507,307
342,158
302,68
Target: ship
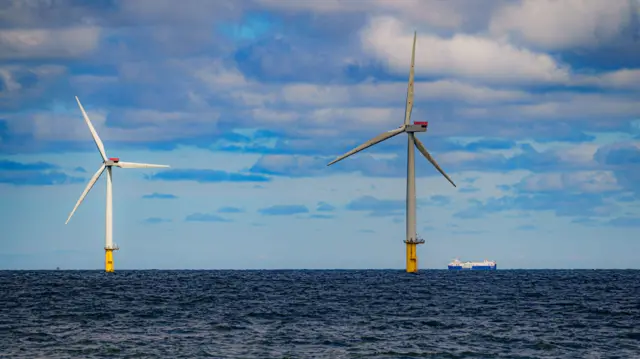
x,y
484,265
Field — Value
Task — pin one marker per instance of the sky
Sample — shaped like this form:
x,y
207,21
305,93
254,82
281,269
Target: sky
x,y
532,106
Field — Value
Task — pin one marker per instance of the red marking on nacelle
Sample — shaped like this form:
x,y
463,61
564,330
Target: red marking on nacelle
x,y
421,123
114,159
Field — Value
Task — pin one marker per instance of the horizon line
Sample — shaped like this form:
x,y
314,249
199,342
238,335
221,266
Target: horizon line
x,y
305,269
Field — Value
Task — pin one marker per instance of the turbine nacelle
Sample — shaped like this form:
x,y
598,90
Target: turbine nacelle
x,y
112,161
418,126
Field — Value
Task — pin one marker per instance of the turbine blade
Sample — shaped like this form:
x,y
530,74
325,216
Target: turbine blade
x,y
371,142
138,165
429,158
86,190
409,106
96,138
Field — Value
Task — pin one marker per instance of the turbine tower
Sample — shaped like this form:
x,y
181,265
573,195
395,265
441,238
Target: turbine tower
x,y
410,129
107,163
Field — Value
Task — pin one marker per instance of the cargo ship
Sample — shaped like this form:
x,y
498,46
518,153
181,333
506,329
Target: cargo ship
x,y
485,265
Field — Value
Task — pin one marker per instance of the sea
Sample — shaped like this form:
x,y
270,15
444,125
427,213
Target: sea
x,y
320,314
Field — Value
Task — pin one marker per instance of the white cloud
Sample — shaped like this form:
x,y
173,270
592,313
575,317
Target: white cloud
x,y
64,126
315,6
450,14
583,181
565,106
48,43
8,82
461,157
578,154
461,55
141,125
152,125
9,73
20,84
554,24
624,79
166,11
292,165
216,75
395,93
315,95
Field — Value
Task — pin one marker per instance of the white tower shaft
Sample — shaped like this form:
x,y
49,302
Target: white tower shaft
x,y
109,211
411,188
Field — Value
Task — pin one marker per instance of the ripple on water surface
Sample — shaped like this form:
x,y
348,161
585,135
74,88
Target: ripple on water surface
x,y
312,314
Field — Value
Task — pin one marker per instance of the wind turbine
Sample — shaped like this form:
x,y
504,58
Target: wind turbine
x,y
410,129
107,163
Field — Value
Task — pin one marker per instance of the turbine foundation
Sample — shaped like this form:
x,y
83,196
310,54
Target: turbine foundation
x,y
108,258
412,255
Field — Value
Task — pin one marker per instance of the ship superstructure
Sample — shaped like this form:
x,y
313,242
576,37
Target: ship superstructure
x,y
484,265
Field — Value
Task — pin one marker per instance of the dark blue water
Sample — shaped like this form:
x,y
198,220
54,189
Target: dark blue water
x,y
320,314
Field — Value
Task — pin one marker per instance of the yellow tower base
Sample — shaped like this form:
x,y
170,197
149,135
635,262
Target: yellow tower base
x,y
108,259
412,255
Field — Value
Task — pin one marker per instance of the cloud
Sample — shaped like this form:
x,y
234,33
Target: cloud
x,y
526,227
160,12
581,181
283,210
623,159
321,216
47,43
469,190
468,232
156,220
586,221
624,154
561,204
22,85
389,40
8,165
561,158
205,217
325,207
205,176
564,24
230,210
377,207
624,222
386,93
623,79
157,195
293,166
571,112
439,200
34,174
489,144
435,14
28,178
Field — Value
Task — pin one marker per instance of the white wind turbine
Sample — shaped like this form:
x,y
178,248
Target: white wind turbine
x,y
410,129
107,163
